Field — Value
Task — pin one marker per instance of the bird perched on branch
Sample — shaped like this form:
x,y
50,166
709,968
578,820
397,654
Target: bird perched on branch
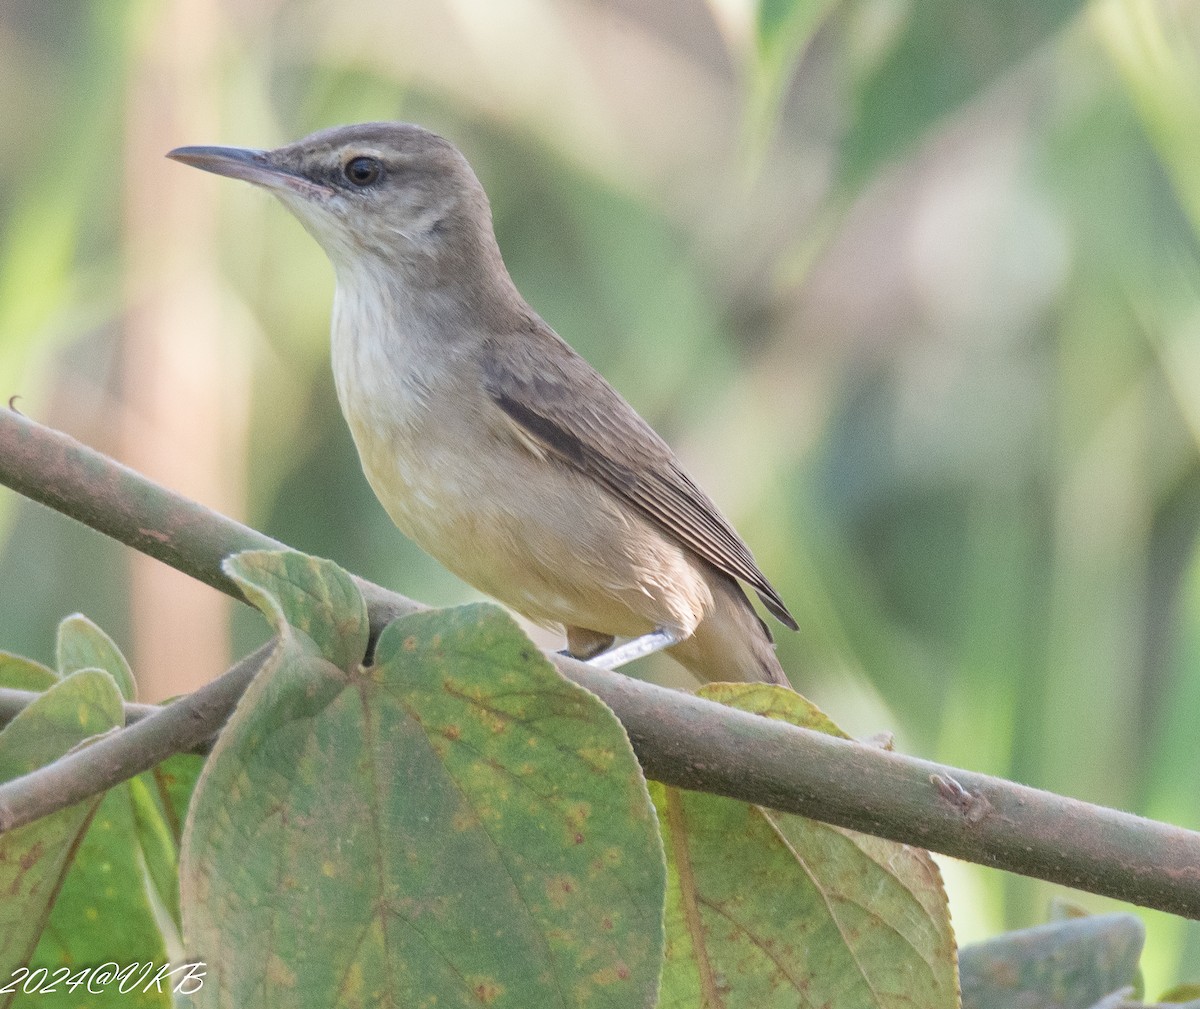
x,y
489,441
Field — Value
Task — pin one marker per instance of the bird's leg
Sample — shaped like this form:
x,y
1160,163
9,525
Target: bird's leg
x,y
638,648
584,644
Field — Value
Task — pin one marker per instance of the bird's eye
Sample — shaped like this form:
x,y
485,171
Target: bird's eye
x,y
362,171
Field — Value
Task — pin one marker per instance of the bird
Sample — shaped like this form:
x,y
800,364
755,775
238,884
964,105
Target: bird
x,y
490,442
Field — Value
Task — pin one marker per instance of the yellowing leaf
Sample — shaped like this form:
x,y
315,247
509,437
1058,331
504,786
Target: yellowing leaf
x,y
766,909
455,825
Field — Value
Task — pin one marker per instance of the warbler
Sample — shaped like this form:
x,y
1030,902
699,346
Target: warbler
x,y
490,442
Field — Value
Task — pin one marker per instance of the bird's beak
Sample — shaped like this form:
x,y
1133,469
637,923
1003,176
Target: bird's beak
x,y
252,166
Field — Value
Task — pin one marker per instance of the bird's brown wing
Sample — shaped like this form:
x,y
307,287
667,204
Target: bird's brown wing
x,y
559,401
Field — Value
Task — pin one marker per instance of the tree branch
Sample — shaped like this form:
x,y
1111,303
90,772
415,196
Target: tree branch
x,y
148,738
54,469
680,739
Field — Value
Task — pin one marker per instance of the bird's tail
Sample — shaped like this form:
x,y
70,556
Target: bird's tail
x,y
731,643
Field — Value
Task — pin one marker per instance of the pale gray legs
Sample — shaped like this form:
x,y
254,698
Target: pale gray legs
x,y
637,648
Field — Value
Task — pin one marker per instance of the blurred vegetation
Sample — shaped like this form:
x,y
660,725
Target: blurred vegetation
x,y
911,287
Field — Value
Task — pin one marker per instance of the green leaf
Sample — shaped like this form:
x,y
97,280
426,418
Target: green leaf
x,y
300,593
174,780
35,858
160,846
770,910
455,824
82,645
1182,994
72,710
1160,68
775,16
784,29
19,673
945,54
1077,962
161,797
102,913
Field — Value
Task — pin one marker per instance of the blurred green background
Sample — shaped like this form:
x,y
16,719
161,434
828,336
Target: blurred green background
x,y
911,287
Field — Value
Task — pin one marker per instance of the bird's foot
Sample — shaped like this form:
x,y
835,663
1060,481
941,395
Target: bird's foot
x,y
637,648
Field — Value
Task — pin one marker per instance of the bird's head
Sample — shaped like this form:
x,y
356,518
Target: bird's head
x,y
389,191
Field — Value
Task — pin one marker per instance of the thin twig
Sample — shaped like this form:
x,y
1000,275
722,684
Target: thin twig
x,y
13,701
174,728
680,739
